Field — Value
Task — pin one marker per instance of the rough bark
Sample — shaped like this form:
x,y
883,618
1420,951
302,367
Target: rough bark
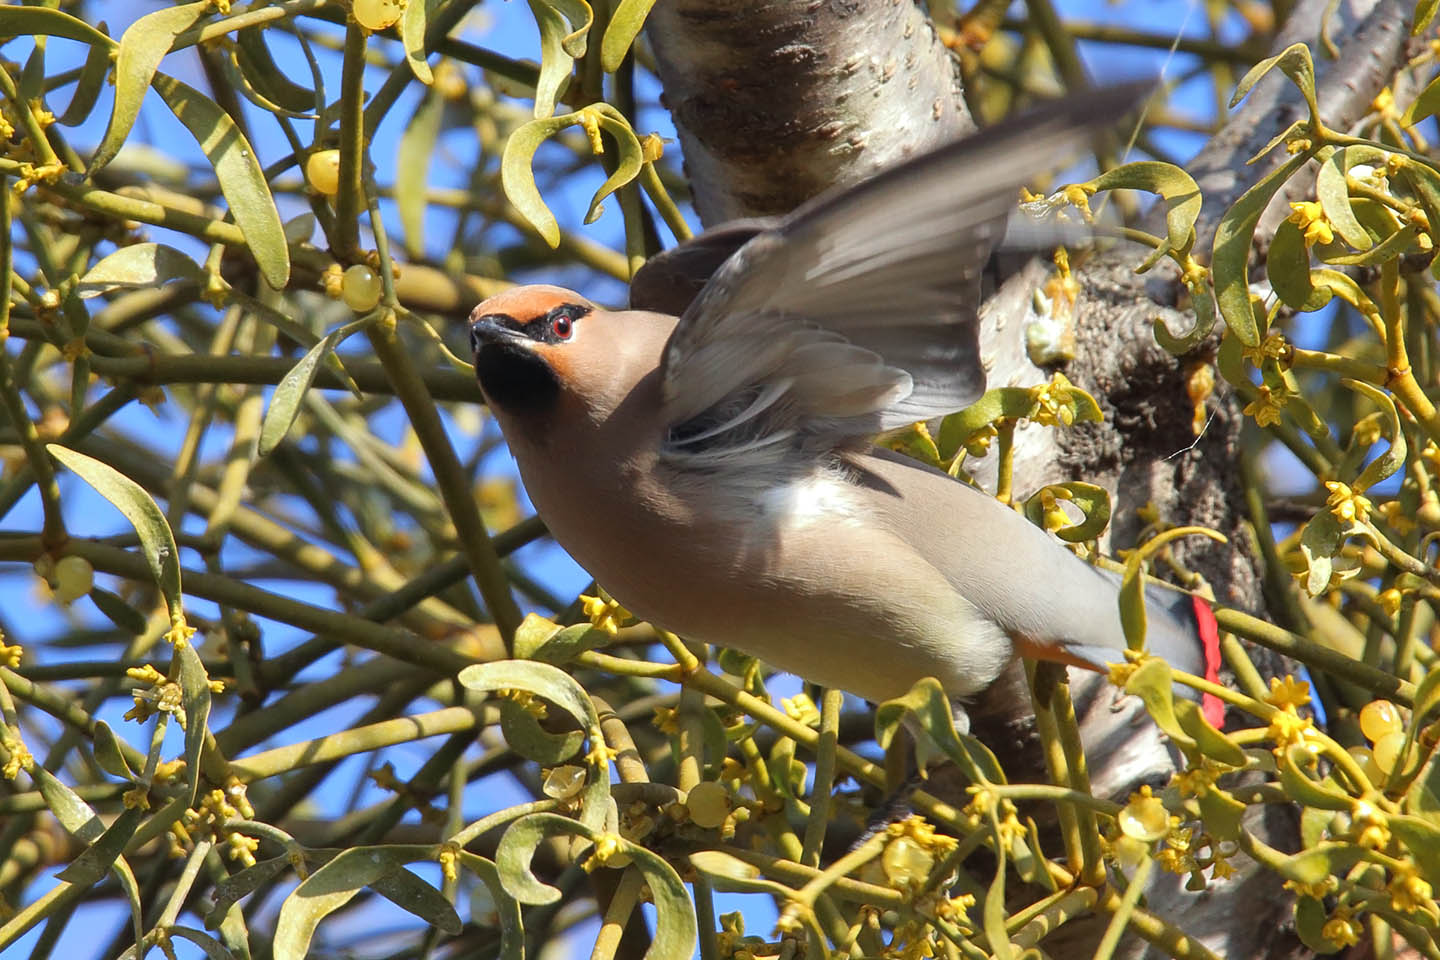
x,y
776,102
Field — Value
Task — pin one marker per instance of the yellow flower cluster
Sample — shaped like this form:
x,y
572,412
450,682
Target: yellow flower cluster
x,y
604,612
1348,505
1310,217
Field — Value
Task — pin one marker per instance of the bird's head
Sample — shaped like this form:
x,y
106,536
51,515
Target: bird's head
x,y
529,345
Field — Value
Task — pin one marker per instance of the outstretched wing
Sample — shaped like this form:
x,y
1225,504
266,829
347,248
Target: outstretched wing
x,y
857,313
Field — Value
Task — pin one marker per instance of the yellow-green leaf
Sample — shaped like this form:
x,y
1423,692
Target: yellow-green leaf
x,y
285,401
517,177
417,146
88,87
156,540
626,21
241,177
631,156
1178,189
20,21
1295,62
1093,502
330,888
412,33
142,47
195,694
146,265
1230,263
253,58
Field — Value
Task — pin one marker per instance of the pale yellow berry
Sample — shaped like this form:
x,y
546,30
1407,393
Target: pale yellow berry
x,y
74,577
562,783
360,289
377,14
1366,759
906,862
709,804
1387,750
1379,717
1144,818
322,170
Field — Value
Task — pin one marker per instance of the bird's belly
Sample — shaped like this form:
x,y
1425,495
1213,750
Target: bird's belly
x,y
834,604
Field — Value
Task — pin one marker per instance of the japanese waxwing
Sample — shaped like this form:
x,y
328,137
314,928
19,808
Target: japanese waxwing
x,y
714,472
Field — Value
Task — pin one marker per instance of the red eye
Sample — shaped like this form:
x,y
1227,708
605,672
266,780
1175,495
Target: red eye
x,y
563,327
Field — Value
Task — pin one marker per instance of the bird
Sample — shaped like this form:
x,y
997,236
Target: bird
x,y
707,455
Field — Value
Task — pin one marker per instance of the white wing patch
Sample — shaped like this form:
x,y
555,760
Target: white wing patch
x,y
821,497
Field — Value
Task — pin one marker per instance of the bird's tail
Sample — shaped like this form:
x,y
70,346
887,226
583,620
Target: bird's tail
x,y
1180,629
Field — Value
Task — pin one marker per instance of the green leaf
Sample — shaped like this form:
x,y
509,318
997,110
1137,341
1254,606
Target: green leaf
x,y
1295,62
109,753
1334,193
290,391
1221,813
1310,917
563,26
233,888
552,683
214,949
1234,236
517,178
512,926
142,46
20,21
631,156
626,21
241,178
1153,683
1288,266
410,893
539,639
729,874
675,932
195,691
330,888
1317,863
121,614
73,813
156,540
1211,742
1393,459
412,33
929,704
144,265
522,731
1093,501
1012,403
1320,794
1424,13
88,87
252,57
254,85
517,848
1422,839
1178,189
417,146
1202,302
97,859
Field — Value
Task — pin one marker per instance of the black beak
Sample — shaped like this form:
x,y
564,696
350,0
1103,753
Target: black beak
x,y
492,328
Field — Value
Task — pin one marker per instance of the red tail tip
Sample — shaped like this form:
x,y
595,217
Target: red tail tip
x,y
1213,706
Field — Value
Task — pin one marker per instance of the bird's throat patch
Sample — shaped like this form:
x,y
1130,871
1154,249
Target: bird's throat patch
x,y
515,379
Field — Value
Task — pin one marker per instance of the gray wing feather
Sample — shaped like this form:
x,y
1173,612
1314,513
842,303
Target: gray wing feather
x,y
862,304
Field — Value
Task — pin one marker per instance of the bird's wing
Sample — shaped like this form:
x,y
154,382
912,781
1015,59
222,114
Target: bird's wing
x,y
671,280
857,313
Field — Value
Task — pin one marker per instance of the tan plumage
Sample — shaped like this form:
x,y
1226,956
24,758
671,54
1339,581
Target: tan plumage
x,y
713,471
